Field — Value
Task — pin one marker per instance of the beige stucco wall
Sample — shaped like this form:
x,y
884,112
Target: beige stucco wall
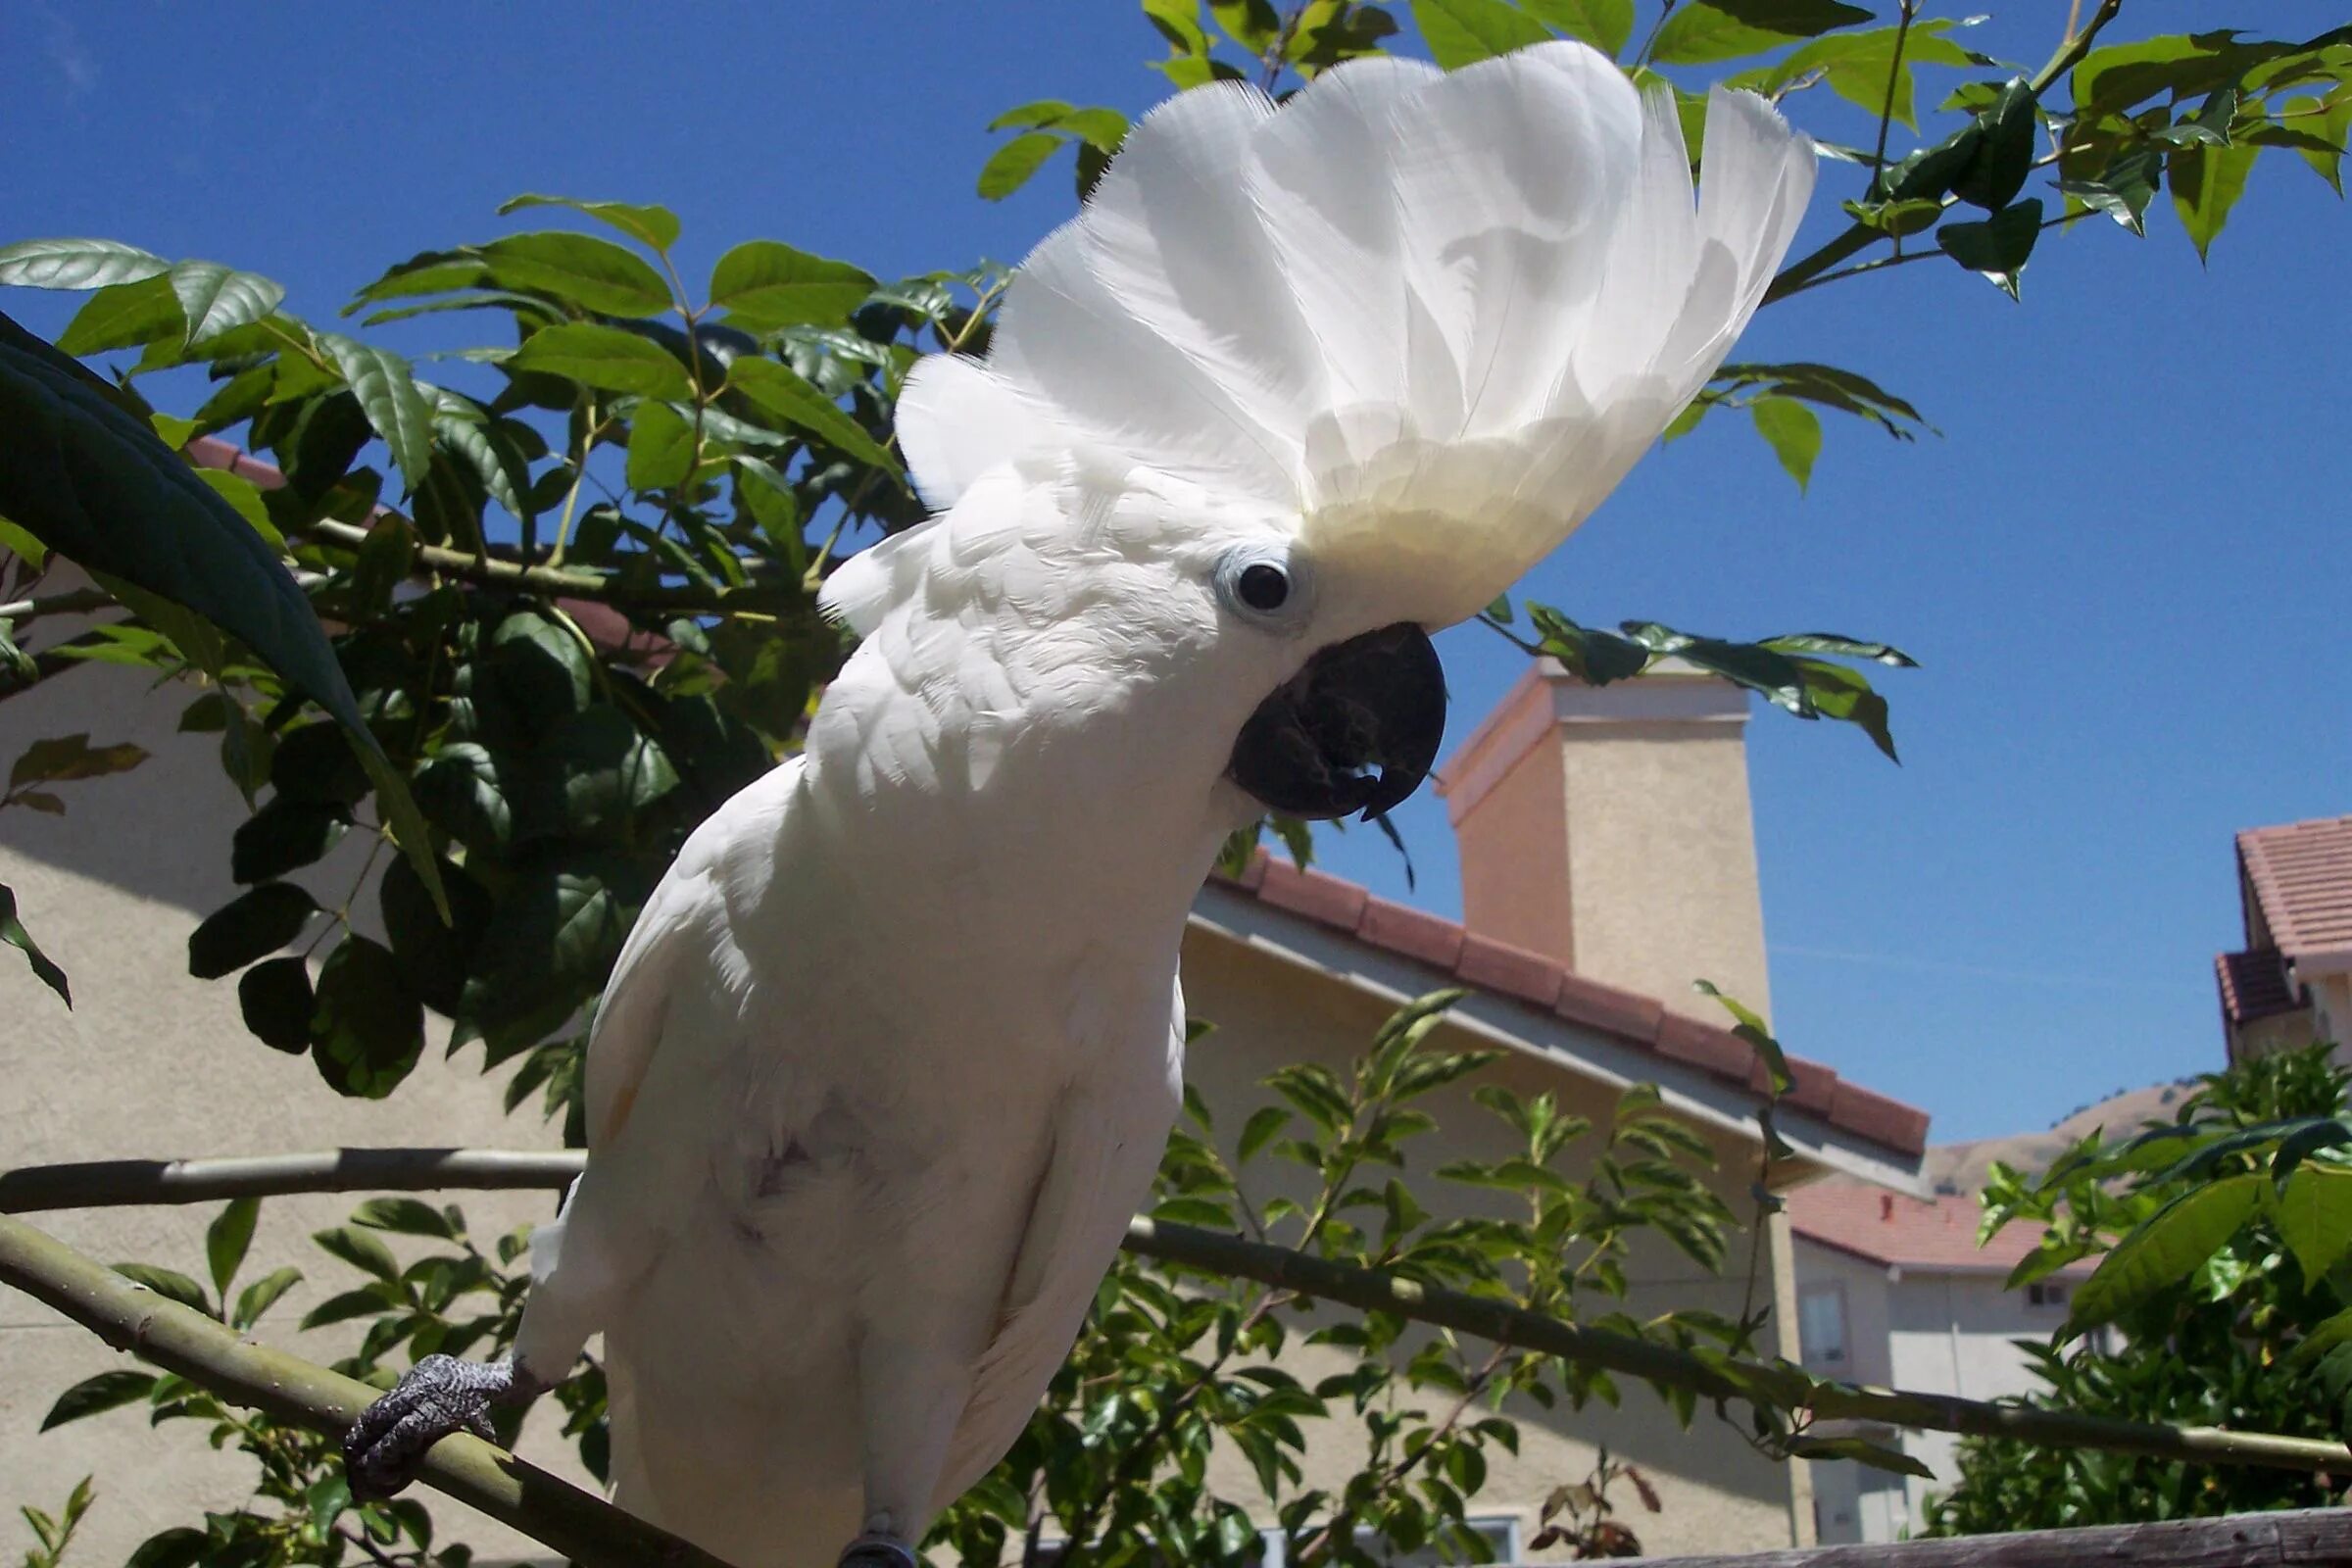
x,y
152,1063
1514,858
1719,1495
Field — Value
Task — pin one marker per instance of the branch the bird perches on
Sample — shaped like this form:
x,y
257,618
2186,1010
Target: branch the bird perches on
x,y
107,1183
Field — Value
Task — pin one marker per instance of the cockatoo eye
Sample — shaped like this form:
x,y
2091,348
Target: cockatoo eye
x,y
1261,584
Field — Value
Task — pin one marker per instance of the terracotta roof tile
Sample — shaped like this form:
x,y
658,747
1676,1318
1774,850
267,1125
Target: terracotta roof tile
x,y
2301,872
2253,984
1455,952
1929,1234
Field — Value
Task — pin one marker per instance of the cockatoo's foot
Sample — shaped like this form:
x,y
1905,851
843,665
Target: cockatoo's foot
x,y
874,1549
440,1395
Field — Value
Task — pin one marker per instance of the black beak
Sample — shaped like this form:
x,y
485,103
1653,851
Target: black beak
x,y
1356,730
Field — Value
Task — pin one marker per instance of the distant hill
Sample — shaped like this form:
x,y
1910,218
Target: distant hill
x,y
1961,1167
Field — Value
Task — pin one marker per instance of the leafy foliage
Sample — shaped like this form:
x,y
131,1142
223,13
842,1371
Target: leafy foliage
x,y
2222,1283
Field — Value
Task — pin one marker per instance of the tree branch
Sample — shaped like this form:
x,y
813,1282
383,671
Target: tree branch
x,y
185,1340
195,1181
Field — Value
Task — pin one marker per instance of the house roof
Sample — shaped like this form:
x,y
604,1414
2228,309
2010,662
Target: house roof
x,y
2254,985
1455,952
2302,877
1935,1234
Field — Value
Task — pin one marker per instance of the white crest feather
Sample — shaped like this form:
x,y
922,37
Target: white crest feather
x,y
1436,316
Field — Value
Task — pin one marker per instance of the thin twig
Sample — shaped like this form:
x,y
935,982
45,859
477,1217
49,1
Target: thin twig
x,y
195,1181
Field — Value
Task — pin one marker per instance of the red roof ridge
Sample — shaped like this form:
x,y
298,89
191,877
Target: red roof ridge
x,y
1937,1232
2302,877
1544,982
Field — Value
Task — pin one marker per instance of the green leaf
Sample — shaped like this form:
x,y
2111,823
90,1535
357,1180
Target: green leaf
x,y
262,1295
2329,122
1793,431
2123,190
1011,166
244,498
462,790
1750,1026
253,927
2314,1215
94,484
1264,1124
1030,116
389,395
606,358
560,925
654,226
77,264
1862,66
764,286
107,1390
124,315
170,1284
591,272
13,932
2206,183
71,756
1606,24
433,957
595,768
227,1237
1703,32
360,1250
283,836
179,1547
276,999
778,390
405,1216
366,1301
1998,247
368,1028
2165,1249
1861,1450
1462,33
2004,151
215,299
661,447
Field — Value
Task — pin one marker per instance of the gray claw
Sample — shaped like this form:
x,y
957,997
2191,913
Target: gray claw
x,y
439,1396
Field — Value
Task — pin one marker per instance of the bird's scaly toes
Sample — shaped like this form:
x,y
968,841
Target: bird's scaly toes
x,y
437,1397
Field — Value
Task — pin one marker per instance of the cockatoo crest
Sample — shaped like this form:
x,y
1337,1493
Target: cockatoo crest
x,y
1433,316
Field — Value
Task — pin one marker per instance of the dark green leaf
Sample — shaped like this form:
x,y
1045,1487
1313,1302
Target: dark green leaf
x,y
560,925
88,480
107,1390
1998,246
1750,1026
2123,190
1263,1125
276,999
253,927
408,1216
588,271
283,836
595,768
606,358
360,1250
461,791
1861,1450
433,957
369,1027
654,226
764,286
76,264
1462,33
2004,150
2314,1216
1011,166
661,447
180,1547
227,1237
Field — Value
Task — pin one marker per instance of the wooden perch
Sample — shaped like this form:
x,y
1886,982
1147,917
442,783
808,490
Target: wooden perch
x,y
2305,1538
195,1181
130,1317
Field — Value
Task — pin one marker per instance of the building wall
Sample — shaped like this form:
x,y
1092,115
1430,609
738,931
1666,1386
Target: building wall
x,y
1937,1333
1718,1495
1514,857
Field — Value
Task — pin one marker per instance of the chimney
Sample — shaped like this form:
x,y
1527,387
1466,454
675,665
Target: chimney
x,y
1609,827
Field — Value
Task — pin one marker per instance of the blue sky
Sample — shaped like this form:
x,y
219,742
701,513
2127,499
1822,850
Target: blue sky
x,y
2122,565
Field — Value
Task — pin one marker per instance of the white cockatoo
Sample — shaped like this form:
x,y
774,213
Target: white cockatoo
x,y
893,1052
